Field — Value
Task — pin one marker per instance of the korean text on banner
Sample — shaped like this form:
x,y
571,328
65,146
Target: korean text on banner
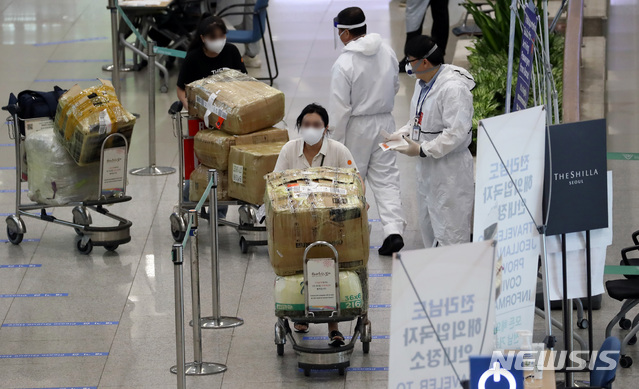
x,y
519,138
457,287
524,74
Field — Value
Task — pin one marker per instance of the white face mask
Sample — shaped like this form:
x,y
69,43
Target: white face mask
x,y
215,45
409,70
312,135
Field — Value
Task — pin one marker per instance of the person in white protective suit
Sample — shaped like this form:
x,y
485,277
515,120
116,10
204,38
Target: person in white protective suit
x,y
439,133
364,82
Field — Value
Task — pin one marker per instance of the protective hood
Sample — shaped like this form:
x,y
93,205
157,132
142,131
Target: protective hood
x,y
455,73
368,45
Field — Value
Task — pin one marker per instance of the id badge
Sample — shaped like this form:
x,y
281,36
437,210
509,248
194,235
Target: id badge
x,y
417,129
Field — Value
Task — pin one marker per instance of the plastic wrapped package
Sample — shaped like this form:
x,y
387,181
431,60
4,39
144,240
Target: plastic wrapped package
x,y
305,206
234,102
54,177
289,294
248,164
85,118
212,147
200,180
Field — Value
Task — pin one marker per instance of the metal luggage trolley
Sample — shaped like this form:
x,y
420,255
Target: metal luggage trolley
x,y
325,358
108,237
251,234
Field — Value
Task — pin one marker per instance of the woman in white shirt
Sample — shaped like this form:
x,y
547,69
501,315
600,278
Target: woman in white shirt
x,y
314,149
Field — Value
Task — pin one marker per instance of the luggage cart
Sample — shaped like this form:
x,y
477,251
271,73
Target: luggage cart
x,y
251,233
325,358
108,237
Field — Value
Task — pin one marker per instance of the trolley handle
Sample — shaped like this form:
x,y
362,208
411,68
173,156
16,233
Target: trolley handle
x,y
321,243
175,109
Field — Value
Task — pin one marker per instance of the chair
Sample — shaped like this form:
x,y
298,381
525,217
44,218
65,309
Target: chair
x,y
602,376
260,23
471,29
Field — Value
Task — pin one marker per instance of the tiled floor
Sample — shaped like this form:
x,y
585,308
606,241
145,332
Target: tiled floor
x,y
127,297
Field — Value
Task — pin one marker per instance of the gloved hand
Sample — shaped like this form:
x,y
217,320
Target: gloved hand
x,y
397,135
412,149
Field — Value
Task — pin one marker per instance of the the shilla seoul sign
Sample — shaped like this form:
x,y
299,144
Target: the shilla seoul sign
x,y
576,167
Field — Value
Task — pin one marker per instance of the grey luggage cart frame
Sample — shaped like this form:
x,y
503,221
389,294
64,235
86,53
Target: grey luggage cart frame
x,y
310,358
108,237
251,234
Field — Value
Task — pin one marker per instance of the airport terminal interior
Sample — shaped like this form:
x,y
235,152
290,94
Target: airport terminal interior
x,y
111,315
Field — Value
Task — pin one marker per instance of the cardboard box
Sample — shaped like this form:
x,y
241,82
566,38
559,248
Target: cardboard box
x,y
200,180
84,118
246,104
212,147
305,206
248,164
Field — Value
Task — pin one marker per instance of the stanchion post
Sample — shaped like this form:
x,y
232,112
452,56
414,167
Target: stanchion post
x,y
197,367
152,169
114,46
217,320
177,255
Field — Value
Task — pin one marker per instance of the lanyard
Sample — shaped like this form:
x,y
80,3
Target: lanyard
x,y
420,100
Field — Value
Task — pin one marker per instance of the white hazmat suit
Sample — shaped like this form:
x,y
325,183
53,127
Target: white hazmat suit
x,y
445,176
364,82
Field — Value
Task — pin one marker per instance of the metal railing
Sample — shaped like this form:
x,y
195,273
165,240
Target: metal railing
x,y
572,61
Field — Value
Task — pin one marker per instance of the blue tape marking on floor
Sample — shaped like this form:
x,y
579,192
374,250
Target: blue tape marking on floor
x,y
7,144
34,295
100,38
375,247
375,220
24,240
69,79
53,355
34,214
353,369
378,275
347,337
63,324
7,168
18,266
379,306
12,190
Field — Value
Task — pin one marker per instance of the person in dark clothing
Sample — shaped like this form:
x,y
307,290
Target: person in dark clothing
x,y
208,52
415,15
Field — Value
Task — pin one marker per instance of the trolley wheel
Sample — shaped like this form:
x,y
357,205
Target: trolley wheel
x,y
632,340
14,237
280,349
111,247
176,232
244,245
625,324
366,347
583,324
85,249
164,89
80,216
307,372
625,361
341,371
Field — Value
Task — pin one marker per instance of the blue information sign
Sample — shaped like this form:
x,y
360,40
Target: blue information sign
x,y
526,58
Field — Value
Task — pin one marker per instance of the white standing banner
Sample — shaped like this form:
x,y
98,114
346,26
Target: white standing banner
x,y
456,286
520,140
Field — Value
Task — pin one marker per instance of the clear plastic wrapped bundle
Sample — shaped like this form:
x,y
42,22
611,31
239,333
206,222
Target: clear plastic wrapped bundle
x,y
54,177
305,206
85,118
238,102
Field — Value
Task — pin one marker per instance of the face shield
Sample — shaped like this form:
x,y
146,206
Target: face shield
x,y
338,25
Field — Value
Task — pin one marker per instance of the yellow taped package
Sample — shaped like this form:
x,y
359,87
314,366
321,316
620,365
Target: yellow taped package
x,y
316,204
289,294
248,164
200,180
246,104
212,147
85,118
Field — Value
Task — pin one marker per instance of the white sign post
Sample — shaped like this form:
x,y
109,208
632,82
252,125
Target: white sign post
x,y
510,166
456,287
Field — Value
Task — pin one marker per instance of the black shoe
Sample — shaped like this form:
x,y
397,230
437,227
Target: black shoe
x,y
203,214
337,339
392,244
402,65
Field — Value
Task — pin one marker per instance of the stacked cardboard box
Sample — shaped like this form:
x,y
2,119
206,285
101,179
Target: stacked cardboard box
x,y
305,206
243,110
84,118
200,180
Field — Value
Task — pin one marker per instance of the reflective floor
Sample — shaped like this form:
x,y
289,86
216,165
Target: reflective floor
x,y
107,319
